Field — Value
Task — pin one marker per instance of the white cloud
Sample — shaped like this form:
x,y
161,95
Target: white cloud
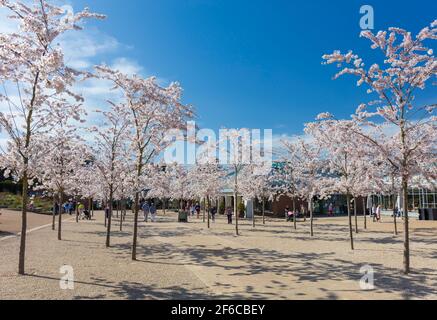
x,y
83,48
126,66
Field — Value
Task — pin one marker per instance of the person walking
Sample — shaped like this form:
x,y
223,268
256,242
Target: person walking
x,y
213,213
378,213
192,210
331,210
146,211
229,214
107,211
81,209
374,213
197,208
153,212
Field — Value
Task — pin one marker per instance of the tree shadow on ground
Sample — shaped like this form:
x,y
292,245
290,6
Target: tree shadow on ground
x,y
135,291
304,267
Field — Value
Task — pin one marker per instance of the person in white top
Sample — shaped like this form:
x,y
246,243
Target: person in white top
x,y
378,213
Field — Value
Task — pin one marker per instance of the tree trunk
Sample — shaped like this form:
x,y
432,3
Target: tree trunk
x,y
123,208
77,211
264,211
365,213
25,197
54,212
92,207
163,205
311,216
89,205
236,212
253,218
106,204
395,224
108,230
134,242
236,201
61,209
406,227
209,224
355,215
294,214
350,221
204,210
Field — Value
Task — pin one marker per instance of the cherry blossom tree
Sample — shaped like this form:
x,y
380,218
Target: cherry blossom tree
x,y
152,111
58,168
207,181
33,65
409,64
309,169
285,181
107,147
161,183
257,182
344,166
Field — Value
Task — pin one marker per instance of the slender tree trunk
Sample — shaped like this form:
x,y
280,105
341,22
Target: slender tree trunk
x,y
92,207
163,205
123,208
253,218
395,223
118,207
25,189
204,210
236,202
218,206
54,212
355,215
106,218
264,211
108,230
365,213
350,221
209,209
406,226
61,209
294,214
89,205
77,210
134,242
25,197
311,216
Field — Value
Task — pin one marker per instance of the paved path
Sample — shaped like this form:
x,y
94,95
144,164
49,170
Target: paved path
x,y
188,261
10,222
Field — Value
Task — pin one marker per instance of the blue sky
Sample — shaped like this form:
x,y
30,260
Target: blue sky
x,y
253,64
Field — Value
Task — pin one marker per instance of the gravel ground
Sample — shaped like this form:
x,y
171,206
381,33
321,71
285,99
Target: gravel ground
x,y
190,261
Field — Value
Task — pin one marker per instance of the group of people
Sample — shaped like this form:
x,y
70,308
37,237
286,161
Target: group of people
x,y
149,208
195,208
71,206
